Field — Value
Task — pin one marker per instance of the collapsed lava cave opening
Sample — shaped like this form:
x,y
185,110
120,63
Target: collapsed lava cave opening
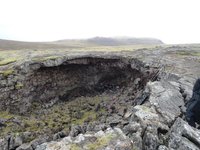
x,y
78,77
78,91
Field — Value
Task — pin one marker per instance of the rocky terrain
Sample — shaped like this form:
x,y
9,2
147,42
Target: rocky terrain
x,y
127,99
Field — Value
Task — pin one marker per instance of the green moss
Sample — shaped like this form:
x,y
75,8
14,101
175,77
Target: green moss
x,y
7,72
74,147
29,139
168,68
31,125
45,58
100,142
18,86
35,105
10,126
102,110
145,109
188,53
7,61
5,115
51,57
59,117
88,115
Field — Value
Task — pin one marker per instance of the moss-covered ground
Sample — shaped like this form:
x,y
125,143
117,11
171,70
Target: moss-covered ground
x,y
10,57
101,142
187,53
59,117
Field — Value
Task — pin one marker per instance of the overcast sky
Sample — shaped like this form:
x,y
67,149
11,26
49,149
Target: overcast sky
x,y
172,21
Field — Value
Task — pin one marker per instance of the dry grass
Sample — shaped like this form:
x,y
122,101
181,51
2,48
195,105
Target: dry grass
x,y
12,56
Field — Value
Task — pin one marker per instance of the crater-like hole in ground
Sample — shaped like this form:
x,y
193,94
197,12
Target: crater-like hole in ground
x,y
81,90
88,77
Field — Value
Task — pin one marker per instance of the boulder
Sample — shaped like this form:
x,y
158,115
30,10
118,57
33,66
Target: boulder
x,y
15,141
150,139
25,147
134,131
146,116
183,137
3,144
187,86
167,100
109,139
137,141
163,147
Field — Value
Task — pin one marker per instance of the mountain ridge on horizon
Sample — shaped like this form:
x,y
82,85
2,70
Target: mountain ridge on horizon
x,y
73,43
124,40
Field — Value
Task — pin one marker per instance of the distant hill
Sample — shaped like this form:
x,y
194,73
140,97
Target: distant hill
x,y
123,41
104,41
17,45
77,43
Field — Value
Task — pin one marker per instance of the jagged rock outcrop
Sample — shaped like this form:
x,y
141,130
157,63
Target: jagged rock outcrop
x,y
153,122
154,125
166,99
109,139
182,136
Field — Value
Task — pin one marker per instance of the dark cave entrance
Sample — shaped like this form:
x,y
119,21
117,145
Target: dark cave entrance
x,y
86,77
81,77
79,91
